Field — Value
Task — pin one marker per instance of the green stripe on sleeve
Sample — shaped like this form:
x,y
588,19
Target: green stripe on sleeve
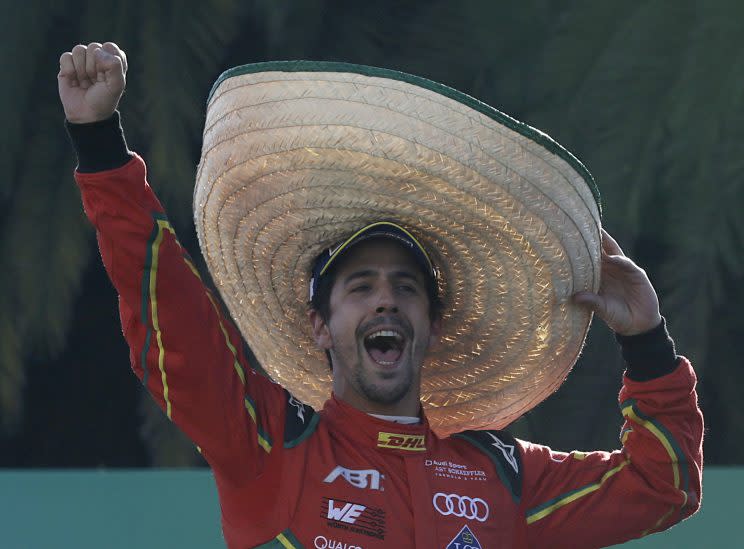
x,y
263,439
542,511
679,462
284,540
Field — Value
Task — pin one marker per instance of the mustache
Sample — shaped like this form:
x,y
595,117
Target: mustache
x,y
387,321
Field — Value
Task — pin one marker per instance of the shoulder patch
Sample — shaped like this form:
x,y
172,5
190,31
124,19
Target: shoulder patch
x,y
503,450
300,421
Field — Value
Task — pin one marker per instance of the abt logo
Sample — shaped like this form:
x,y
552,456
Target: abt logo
x,y
364,478
348,512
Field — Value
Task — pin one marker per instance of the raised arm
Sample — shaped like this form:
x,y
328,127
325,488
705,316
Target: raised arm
x,y
186,352
594,499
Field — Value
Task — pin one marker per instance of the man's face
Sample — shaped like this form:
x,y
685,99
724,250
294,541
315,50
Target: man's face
x,y
379,328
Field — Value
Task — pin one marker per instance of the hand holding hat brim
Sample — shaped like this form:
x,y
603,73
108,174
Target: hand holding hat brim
x,y
626,300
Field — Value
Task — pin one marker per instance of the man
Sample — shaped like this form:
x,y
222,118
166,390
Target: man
x,y
307,170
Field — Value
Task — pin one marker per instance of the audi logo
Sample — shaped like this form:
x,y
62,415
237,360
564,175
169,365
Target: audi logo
x,y
461,506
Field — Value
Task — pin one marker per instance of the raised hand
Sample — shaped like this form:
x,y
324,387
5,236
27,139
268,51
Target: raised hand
x,y
626,300
91,81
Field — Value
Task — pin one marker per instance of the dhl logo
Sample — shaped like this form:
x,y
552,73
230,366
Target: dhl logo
x,y
414,443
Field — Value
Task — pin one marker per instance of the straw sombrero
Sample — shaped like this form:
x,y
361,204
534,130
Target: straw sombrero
x,y
298,155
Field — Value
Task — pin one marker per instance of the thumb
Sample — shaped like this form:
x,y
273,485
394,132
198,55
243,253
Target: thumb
x,y
591,301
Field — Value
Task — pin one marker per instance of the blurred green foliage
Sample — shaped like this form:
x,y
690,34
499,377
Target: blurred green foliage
x,y
649,94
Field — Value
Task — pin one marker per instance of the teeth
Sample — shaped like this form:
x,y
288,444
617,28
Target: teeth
x,y
386,333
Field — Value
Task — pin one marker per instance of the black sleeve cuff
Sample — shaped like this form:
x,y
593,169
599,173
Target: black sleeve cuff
x,y
649,355
99,146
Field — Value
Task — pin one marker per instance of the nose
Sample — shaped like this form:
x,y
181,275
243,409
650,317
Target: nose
x,y
386,300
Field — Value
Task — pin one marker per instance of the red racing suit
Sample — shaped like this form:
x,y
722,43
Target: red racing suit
x,y
290,476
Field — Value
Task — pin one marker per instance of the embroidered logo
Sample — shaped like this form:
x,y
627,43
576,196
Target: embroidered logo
x,y
345,511
507,450
360,478
300,408
448,469
354,517
414,443
465,539
461,506
322,542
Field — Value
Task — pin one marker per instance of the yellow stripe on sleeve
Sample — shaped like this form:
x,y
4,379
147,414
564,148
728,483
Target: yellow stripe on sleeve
x,y
236,363
285,542
546,509
162,226
629,412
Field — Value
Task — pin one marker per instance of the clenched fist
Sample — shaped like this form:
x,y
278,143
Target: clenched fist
x,y
91,80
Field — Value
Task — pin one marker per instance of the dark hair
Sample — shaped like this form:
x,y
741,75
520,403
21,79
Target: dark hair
x,y
321,301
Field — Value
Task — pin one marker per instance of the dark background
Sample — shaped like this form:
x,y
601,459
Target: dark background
x,y
648,94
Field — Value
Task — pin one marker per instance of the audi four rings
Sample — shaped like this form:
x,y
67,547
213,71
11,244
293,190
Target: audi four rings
x,y
461,506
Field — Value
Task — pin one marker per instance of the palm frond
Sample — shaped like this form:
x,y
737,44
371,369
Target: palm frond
x,y
176,60
702,177
12,373
26,24
291,30
50,236
571,49
46,248
612,109
482,48
42,240
166,444
179,58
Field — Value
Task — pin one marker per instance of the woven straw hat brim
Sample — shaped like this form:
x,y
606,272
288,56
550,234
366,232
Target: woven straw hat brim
x,y
299,155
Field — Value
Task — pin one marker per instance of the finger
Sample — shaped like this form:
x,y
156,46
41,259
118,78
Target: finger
x,y
113,49
110,68
67,69
78,60
90,61
610,245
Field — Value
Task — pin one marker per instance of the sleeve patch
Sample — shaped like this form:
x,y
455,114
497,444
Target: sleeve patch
x,y
300,421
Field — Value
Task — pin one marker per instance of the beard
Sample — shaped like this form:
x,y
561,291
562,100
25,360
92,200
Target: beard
x,y
374,384
383,393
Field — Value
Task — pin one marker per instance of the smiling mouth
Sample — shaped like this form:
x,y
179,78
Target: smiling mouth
x,y
385,347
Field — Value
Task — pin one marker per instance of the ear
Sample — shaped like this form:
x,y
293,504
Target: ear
x,y
321,333
435,332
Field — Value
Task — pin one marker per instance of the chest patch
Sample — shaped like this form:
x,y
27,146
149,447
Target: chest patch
x,y
465,539
353,517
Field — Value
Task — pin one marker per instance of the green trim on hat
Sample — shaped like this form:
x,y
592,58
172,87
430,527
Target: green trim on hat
x,y
332,66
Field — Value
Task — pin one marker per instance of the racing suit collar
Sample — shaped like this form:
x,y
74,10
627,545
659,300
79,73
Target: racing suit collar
x,y
371,432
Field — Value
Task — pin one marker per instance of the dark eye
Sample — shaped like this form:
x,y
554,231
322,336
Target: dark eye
x,y
360,288
407,288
